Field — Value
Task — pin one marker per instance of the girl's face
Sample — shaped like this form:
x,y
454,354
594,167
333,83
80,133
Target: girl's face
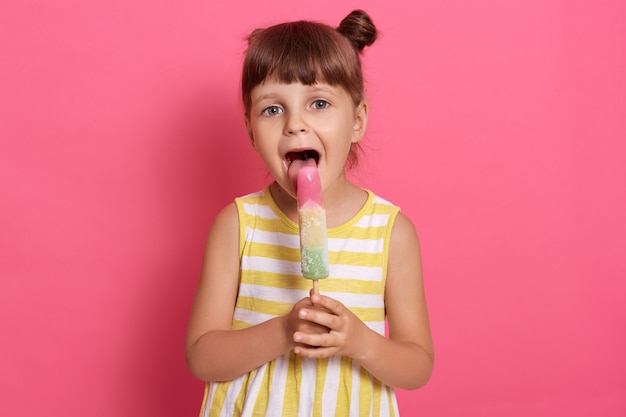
x,y
294,121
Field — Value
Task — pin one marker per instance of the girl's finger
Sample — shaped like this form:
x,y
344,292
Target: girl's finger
x,y
313,352
328,303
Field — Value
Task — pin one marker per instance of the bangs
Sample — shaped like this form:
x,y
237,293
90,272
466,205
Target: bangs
x,y
303,52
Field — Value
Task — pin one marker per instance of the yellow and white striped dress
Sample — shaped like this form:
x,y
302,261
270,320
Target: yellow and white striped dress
x,y
271,282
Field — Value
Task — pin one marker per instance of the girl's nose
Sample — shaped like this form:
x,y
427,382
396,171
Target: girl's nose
x,y
296,124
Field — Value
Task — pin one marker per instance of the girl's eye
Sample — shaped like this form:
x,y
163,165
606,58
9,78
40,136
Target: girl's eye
x,y
320,104
272,111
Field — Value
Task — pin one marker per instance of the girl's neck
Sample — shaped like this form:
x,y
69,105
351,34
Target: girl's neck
x,y
342,201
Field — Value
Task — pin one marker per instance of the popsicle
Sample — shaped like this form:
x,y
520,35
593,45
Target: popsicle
x,y
313,236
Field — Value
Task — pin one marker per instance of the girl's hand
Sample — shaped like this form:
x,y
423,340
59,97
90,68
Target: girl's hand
x,y
295,324
345,334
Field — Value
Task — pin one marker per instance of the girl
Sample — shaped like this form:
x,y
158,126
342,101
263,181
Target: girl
x,y
264,344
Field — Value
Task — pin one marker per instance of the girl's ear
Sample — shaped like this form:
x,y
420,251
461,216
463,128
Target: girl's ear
x,y
360,122
246,119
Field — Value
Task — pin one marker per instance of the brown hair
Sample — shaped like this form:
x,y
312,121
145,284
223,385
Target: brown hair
x,y
309,52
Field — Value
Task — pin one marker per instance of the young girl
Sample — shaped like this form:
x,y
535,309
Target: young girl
x,y
266,346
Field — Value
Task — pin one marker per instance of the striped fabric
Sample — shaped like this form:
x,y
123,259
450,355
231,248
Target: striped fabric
x,y
271,282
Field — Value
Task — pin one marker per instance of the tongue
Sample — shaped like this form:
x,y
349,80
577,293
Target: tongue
x,y
295,167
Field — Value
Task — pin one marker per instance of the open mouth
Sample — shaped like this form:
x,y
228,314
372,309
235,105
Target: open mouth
x,y
302,156
296,160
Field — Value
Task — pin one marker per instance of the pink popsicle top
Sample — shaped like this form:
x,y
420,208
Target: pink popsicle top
x,y
309,185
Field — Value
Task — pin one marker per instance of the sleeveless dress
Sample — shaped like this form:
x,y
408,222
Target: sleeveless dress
x,y
271,283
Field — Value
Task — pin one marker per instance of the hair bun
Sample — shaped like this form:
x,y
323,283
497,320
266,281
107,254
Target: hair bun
x,y
359,29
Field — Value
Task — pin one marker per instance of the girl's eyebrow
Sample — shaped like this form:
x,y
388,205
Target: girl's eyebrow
x,y
325,88
266,96
312,89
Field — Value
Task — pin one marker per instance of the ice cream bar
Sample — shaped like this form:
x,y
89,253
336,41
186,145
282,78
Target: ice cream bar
x,y
313,238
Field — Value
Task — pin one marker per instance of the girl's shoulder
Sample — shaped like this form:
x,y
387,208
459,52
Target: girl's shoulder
x,y
377,205
403,233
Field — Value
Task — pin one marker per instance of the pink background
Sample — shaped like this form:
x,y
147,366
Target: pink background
x,y
498,126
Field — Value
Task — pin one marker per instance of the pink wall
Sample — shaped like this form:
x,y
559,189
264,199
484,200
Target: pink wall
x,y
499,127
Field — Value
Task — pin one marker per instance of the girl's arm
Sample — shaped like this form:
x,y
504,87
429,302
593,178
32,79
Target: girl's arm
x,y
405,360
214,352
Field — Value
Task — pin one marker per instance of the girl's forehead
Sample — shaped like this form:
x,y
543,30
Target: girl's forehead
x,y
276,87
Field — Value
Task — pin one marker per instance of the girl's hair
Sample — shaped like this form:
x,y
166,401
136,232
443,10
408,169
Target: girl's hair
x,y
309,52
